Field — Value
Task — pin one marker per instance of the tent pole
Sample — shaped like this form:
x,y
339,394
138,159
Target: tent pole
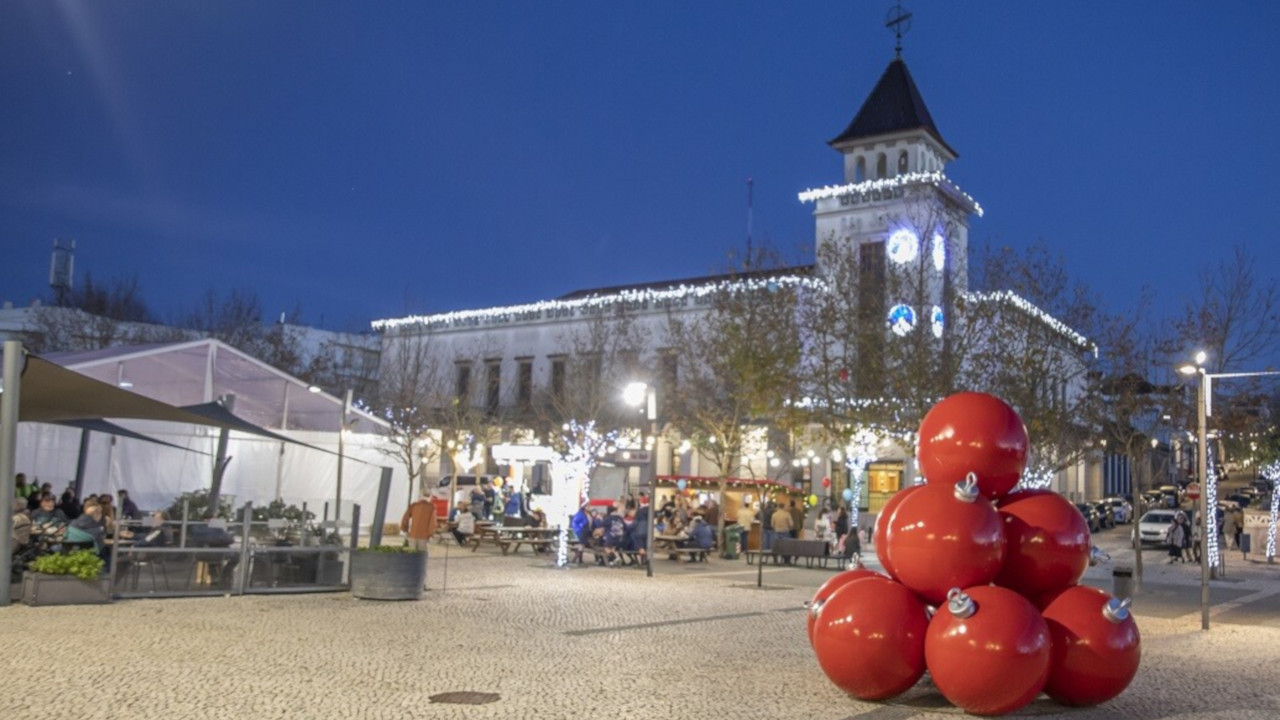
x,y
8,447
82,461
220,460
342,430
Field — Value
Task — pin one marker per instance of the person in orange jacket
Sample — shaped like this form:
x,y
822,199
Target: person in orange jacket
x,y
419,525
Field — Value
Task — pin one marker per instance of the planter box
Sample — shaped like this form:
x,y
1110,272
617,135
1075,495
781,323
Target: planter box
x,y
388,575
41,589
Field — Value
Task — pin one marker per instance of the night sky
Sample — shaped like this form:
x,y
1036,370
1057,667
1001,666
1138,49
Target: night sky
x,y
364,160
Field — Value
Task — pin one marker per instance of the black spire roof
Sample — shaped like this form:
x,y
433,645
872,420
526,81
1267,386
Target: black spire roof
x,y
893,105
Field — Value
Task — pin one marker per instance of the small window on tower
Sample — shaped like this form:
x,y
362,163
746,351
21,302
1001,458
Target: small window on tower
x,y
902,162
882,167
860,170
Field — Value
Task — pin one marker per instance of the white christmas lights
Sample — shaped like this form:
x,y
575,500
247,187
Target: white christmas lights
x,y
1005,296
1272,473
638,300
937,319
571,475
1210,543
939,252
936,179
902,320
903,246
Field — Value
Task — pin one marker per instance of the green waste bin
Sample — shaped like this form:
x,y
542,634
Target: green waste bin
x,y
732,539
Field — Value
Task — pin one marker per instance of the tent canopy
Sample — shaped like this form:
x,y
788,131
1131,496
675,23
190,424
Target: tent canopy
x,y
200,371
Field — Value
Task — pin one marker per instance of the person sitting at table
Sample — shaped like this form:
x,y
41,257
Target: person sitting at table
x,y
537,518
465,524
128,508
697,535
48,521
638,534
220,564
108,512
159,534
580,523
615,535
69,505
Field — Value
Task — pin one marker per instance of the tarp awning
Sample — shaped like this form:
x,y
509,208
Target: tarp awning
x,y
110,428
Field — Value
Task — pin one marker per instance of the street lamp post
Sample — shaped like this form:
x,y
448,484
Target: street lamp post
x,y
634,394
1204,400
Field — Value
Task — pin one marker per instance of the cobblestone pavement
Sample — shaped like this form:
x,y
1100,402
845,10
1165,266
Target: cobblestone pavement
x,y
696,641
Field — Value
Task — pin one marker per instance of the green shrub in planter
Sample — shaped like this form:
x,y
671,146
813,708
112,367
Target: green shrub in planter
x,y
84,564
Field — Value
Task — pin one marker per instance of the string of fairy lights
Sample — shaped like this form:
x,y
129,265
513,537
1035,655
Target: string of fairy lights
x,y
1272,472
881,185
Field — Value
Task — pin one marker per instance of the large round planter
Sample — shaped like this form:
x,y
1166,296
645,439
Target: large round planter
x,y
387,575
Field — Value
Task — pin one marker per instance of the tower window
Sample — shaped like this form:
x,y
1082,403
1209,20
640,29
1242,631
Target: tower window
x,y
860,169
902,162
882,166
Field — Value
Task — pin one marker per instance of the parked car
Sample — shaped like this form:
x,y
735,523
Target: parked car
x,y
1091,516
1241,499
1153,527
1121,509
1106,516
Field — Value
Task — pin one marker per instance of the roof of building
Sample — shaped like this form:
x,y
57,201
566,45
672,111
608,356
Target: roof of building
x,y
688,282
894,105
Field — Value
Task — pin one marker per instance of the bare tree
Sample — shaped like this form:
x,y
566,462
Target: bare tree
x,y
1234,315
740,364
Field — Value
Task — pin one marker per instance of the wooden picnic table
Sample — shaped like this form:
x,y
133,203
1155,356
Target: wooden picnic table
x,y
512,537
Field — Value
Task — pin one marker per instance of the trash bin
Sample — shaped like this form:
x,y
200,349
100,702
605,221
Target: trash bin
x,y
1246,543
1122,579
732,539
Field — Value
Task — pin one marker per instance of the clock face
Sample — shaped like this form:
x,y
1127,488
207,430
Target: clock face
x,y
939,251
902,320
903,246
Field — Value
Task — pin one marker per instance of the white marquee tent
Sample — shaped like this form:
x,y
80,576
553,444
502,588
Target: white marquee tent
x,y
261,468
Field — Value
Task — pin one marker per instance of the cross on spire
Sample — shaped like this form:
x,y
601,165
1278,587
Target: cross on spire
x,y
899,21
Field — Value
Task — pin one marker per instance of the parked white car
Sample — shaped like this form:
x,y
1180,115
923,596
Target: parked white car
x,y
1153,527
1121,510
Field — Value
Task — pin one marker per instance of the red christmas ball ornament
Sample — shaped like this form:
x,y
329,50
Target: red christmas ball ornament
x,y
881,531
1096,646
828,589
826,482
869,638
943,536
988,650
974,433
1047,542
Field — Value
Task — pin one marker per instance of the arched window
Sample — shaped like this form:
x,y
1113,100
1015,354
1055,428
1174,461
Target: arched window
x,y
902,162
860,170
882,168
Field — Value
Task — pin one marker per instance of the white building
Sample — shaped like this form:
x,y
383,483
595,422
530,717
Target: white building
x,y
895,206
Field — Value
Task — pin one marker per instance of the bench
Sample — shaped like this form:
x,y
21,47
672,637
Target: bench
x,y
789,549
695,554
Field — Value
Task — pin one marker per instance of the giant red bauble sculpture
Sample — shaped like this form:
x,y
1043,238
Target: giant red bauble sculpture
x,y
988,650
1047,542
1096,646
944,535
973,433
881,532
869,638
829,587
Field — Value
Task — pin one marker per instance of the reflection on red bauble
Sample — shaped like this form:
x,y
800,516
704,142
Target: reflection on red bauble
x,y
936,540
995,660
1047,542
869,638
882,527
973,432
1096,646
829,587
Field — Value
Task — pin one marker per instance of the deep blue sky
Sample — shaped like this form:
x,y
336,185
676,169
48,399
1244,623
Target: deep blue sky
x,y
365,160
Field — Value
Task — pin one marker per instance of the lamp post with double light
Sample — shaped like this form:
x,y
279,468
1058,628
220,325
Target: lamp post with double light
x,y
635,394
1204,409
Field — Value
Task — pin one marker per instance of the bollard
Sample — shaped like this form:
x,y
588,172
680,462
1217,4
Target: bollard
x,y
1122,579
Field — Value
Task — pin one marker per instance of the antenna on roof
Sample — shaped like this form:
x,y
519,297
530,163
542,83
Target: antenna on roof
x,y
747,264
899,21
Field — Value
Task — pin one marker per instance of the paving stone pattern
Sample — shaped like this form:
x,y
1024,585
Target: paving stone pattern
x,y
694,642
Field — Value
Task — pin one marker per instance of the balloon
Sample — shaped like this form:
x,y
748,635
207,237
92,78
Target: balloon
x,y
994,659
681,484
882,527
826,482
973,433
847,495
943,536
829,587
497,482
1096,646
813,501
1046,542
869,638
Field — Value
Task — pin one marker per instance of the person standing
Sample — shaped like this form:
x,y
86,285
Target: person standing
x,y
780,525
1177,537
419,525
1229,529
797,519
